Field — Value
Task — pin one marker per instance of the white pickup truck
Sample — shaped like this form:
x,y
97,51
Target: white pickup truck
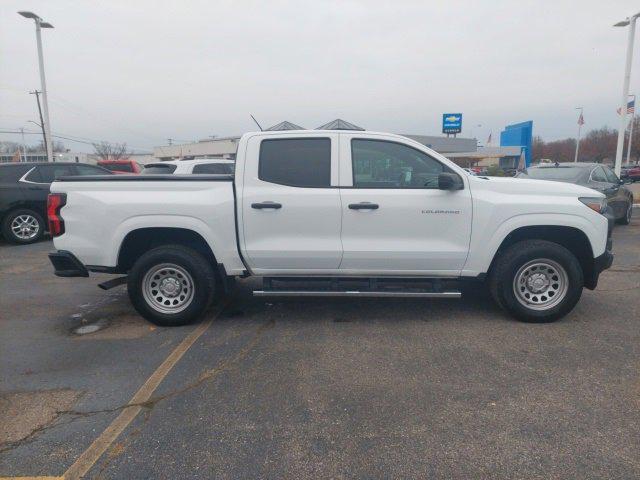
x,y
332,213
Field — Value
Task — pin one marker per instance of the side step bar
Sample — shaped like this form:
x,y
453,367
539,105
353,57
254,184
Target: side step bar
x,y
390,287
324,293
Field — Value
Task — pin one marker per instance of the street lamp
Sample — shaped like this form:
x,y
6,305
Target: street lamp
x,y
631,23
46,126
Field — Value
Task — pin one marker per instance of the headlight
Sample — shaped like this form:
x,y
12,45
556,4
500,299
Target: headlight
x,y
595,203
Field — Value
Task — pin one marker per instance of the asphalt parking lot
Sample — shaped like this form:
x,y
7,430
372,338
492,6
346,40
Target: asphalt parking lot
x,y
316,388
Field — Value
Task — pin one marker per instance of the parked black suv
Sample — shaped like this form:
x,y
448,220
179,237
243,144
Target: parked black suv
x,y
23,196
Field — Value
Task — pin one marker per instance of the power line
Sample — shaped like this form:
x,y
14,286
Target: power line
x,y
86,141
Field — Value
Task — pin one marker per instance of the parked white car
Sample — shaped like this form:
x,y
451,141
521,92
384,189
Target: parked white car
x,y
185,167
332,213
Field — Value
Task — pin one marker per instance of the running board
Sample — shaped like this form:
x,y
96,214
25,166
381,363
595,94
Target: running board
x,y
390,287
324,293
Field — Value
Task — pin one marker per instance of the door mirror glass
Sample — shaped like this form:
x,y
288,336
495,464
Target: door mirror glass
x,y
449,181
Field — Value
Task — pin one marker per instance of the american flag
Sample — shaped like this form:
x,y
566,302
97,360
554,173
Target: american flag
x,y
631,107
580,119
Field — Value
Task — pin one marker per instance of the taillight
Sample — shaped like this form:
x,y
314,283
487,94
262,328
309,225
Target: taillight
x,y
55,201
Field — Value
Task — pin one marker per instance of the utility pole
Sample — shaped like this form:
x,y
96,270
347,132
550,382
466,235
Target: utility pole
x,y
44,132
633,116
580,123
24,147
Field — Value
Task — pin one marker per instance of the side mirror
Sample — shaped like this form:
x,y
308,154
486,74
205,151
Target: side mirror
x,y
449,181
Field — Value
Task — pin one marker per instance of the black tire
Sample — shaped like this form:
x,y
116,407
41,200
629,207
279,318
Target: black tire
x,y
509,264
176,265
626,219
12,237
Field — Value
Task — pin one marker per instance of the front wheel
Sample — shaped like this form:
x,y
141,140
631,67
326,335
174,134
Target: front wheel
x,y
171,285
536,281
626,219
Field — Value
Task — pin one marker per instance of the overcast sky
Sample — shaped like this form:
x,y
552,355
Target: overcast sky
x,y
144,71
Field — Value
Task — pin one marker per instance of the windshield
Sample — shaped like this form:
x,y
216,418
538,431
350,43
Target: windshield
x,y
562,174
158,168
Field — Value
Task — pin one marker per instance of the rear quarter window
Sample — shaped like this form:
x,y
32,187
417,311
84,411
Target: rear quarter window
x,y
13,173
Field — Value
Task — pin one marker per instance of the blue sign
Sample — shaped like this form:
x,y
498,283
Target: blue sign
x,y
519,135
451,122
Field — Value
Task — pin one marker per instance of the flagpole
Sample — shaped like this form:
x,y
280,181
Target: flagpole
x,y
633,116
580,122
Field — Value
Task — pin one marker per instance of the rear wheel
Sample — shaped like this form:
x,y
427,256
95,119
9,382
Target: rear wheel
x,y
23,226
171,285
626,219
536,281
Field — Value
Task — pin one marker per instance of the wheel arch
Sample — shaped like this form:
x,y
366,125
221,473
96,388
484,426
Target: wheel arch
x,y
572,238
141,240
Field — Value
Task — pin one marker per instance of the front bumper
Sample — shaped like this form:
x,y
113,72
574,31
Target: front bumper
x,y
600,264
66,264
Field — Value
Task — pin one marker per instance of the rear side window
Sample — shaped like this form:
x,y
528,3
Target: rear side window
x,y
297,162
213,168
12,173
158,169
49,173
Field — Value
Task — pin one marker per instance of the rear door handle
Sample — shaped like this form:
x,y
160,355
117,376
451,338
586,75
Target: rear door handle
x,y
363,206
263,205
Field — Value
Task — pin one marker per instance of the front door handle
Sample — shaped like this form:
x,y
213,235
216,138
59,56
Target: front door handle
x,y
263,205
363,206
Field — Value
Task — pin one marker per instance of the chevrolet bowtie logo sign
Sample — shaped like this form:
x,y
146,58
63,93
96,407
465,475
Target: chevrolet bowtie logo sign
x,y
451,123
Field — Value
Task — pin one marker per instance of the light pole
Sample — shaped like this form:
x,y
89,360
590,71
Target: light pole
x,y
631,23
46,127
580,123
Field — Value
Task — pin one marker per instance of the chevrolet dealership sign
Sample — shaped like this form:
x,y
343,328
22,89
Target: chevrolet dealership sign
x,y
451,123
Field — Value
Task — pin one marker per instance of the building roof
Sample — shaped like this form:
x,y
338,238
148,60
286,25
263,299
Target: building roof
x,y
285,126
445,144
488,152
339,124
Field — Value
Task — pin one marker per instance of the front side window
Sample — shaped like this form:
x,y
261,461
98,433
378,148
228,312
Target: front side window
x,y
598,175
213,168
611,176
49,173
296,162
384,164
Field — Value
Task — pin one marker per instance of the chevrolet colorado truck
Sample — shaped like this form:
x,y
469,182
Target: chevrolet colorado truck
x,y
332,213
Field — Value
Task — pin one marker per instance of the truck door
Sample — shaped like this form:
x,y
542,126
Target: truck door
x,y
395,220
290,204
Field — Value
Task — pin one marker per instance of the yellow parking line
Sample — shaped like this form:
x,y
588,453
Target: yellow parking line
x,y
92,454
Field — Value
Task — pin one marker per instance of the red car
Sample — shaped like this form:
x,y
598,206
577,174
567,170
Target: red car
x,y
631,173
121,167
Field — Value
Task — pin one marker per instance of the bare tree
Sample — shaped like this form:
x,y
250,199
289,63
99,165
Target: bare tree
x,y
111,151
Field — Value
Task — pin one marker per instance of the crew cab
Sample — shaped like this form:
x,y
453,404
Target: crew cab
x,y
332,213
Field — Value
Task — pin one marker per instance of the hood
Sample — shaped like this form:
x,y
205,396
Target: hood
x,y
530,186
